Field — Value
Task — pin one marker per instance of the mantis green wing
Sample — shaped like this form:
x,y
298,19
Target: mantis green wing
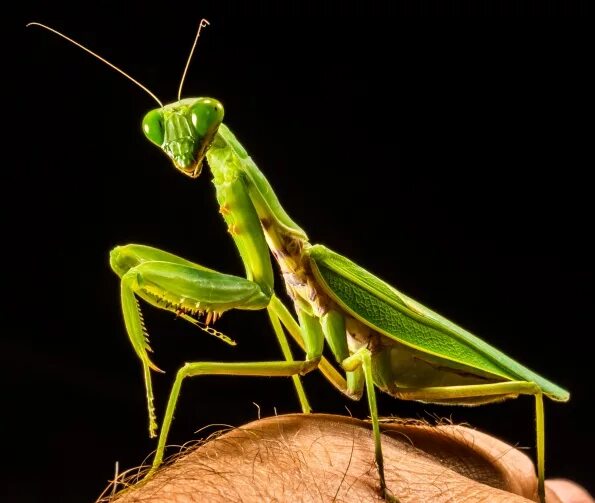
x,y
417,354
378,336
405,321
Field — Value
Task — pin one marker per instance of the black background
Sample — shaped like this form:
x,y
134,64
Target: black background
x,y
449,157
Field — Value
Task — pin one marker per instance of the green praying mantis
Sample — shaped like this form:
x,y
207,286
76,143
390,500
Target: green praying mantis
x,y
379,337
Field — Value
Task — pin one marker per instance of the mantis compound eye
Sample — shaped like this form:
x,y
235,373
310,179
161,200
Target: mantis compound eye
x,y
206,115
153,126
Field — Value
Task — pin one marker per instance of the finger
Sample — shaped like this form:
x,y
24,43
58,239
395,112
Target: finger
x,y
321,457
568,491
472,454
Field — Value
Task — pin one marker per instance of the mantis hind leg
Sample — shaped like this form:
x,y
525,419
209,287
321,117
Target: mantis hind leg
x,y
358,366
491,392
363,359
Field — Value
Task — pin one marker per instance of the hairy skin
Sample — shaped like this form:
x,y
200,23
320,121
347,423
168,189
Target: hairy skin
x,y
325,458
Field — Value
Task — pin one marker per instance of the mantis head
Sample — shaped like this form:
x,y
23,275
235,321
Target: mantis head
x,y
184,130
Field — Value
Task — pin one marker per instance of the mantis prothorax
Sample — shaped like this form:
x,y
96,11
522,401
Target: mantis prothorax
x,y
379,337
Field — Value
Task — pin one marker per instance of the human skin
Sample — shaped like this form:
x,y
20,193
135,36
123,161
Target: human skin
x,y
326,458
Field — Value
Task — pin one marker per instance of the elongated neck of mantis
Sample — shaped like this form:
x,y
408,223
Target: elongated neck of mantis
x,y
229,162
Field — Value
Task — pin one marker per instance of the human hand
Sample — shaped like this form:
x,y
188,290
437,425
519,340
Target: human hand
x,y
327,458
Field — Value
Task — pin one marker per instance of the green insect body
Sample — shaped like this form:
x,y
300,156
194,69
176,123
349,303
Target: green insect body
x,y
379,337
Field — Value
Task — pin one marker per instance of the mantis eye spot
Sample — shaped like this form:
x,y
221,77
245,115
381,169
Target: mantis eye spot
x,y
206,116
153,126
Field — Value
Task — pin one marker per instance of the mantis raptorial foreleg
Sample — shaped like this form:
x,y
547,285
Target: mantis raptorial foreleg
x,y
192,292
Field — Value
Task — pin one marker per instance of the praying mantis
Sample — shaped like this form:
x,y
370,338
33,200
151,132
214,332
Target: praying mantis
x,y
378,336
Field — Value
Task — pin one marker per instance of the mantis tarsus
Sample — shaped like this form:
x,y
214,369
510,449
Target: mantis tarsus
x,y
379,337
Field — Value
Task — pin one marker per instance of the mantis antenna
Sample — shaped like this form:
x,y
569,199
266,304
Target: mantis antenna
x,y
203,23
81,46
